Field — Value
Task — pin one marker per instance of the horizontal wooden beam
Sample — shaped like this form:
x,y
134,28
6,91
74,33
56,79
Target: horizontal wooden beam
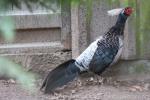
x,y
30,21
30,48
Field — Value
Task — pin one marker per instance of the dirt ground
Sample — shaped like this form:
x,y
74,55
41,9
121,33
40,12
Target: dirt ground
x,y
87,89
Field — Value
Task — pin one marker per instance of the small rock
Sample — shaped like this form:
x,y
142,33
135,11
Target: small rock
x,y
136,88
78,83
132,89
147,86
91,79
11,81
73,91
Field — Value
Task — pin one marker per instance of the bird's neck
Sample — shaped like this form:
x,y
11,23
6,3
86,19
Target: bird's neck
x,y
120,24
121,20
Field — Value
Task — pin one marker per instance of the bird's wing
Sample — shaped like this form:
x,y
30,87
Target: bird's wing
x,y
102,59
119,52
104,55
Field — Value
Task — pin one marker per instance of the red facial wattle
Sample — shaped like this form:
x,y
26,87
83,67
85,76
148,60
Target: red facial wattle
x,y
128,11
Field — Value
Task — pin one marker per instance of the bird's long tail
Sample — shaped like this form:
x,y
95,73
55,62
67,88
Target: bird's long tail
x,y
60,76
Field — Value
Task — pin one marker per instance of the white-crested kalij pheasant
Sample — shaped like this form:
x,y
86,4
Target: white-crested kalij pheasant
x,y
100,54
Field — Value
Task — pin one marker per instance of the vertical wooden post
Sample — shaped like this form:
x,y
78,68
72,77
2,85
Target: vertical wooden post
x,y
66,25
80,36
75,30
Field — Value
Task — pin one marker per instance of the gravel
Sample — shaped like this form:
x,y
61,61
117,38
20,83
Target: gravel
x,y
87,89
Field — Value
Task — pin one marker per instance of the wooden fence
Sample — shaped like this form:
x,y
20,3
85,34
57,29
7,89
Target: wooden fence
x,y
69,29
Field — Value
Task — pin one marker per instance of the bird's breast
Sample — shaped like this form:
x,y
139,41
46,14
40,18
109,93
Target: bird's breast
x,y
85,58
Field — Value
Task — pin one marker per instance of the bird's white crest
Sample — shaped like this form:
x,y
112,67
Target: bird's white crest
x,y
114,12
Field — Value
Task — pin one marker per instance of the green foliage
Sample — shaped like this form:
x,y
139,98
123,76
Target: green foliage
x,y
16,71
145,15
145,26
7,28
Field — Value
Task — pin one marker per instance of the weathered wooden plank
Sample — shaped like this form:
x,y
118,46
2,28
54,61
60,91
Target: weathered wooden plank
x,y
129,51
28,21
101,22
75,31
66,25
35,35
30,48
80,36
84,26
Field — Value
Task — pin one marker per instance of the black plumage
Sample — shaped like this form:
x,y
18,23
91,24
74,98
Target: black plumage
x,y
107,49
61,75
96,58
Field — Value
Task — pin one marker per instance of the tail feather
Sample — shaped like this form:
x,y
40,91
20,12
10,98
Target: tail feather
x,y
60,76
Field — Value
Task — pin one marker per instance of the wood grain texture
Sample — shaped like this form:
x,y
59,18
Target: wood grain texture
x,y
37,21
66,25
129,49
75,31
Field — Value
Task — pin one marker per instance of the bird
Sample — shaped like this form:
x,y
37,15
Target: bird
x,y
99,55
